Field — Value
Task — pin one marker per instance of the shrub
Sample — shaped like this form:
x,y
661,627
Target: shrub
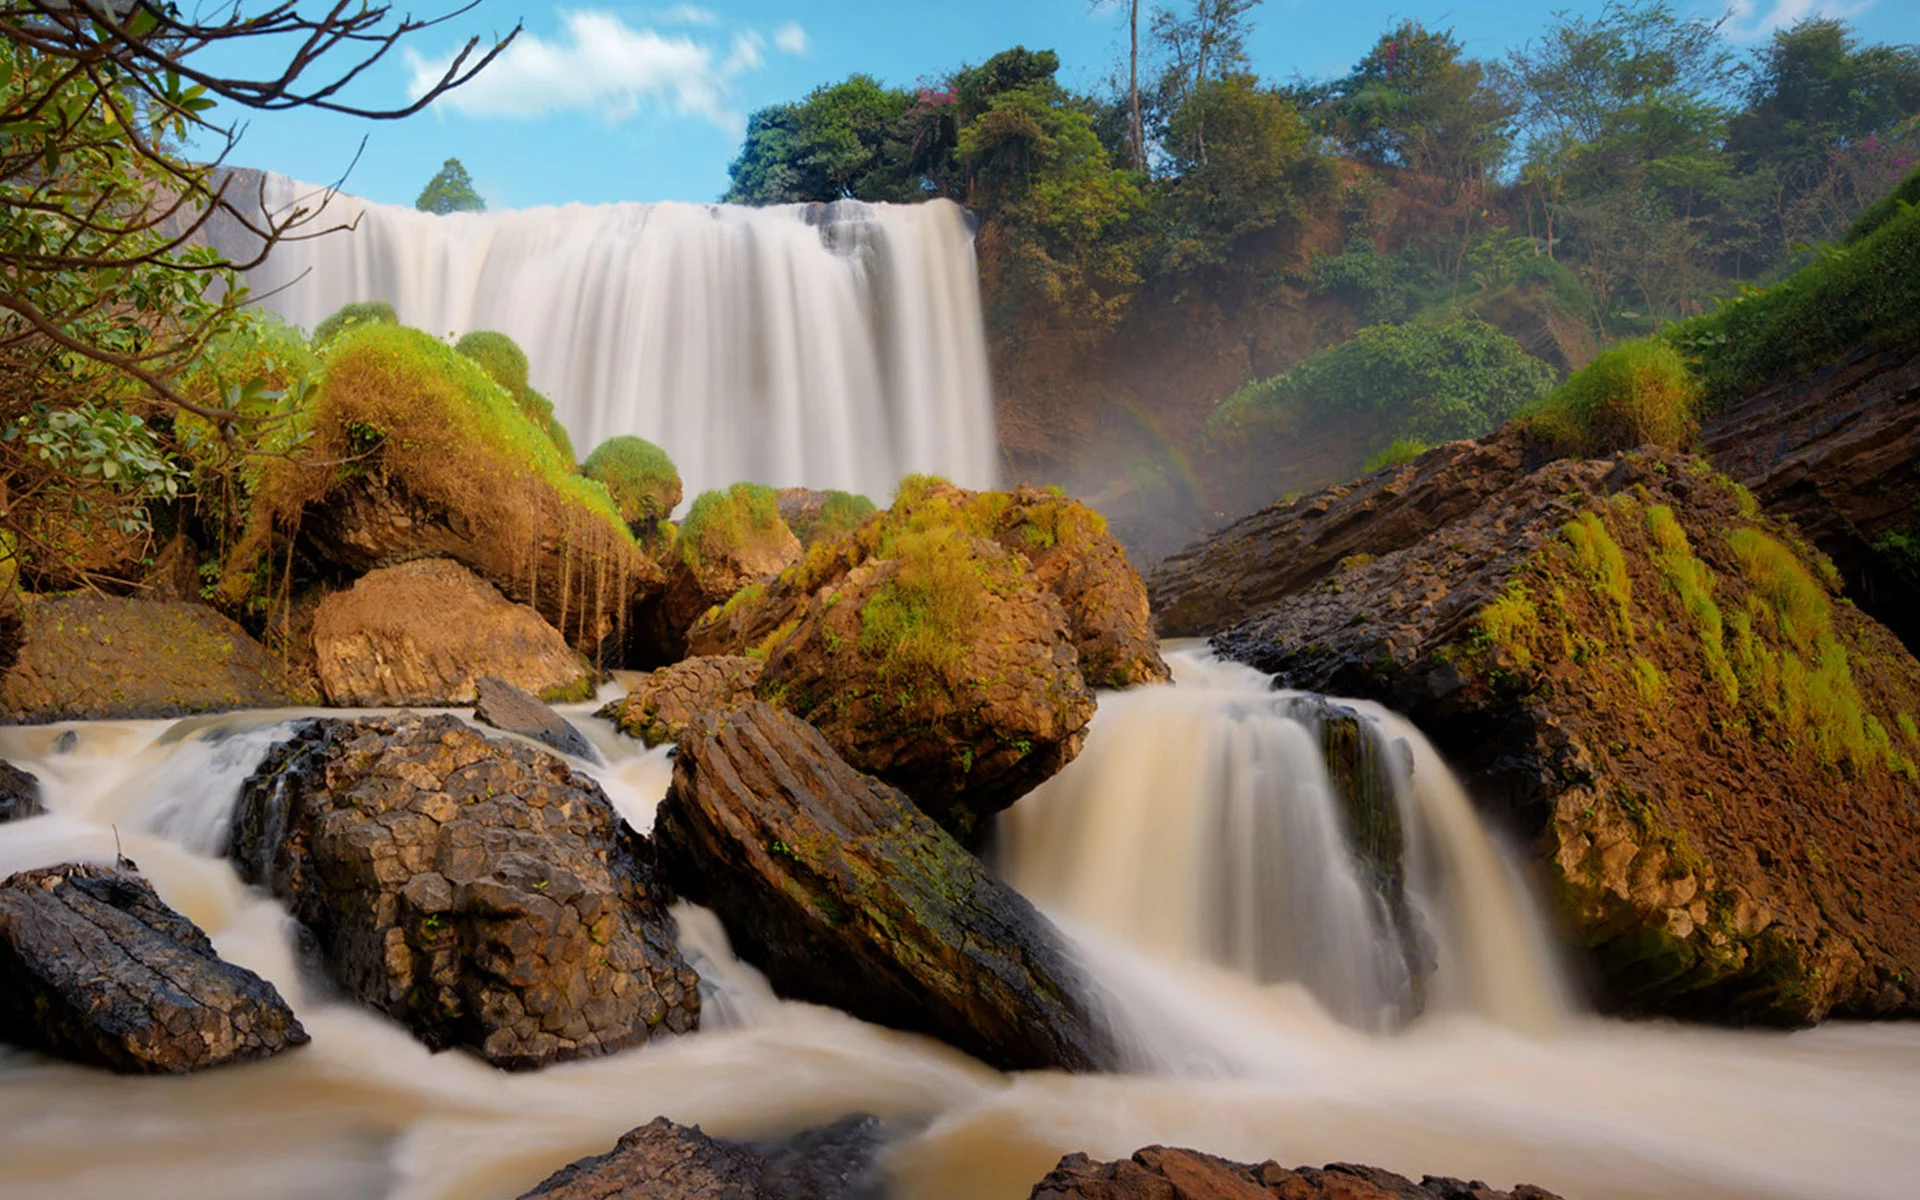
x,y
1635,393
501,357
723,521
920,622
643,481
361,312
838,513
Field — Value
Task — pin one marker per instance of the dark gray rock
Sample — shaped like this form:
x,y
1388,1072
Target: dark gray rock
x,y
19,794
517,710
481,892
96,970
664,1161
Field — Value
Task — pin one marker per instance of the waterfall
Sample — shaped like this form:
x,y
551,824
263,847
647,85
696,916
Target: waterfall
x,y
1202,822
827,346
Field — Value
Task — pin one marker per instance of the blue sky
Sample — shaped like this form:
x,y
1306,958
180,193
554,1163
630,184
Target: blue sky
x,y
598,102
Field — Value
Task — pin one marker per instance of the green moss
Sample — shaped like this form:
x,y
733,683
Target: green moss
x,y
921,620
721,522
1693,580
643,481
914,488
1600,561
500,357
1648,681
1399,450
360,313
1511,623
839,513
579,691
1635,393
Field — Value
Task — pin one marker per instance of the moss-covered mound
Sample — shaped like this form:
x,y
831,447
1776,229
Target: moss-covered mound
x,y
1635,394
347,316
814,515
731,540
1715,753
643,481
406,448
506,364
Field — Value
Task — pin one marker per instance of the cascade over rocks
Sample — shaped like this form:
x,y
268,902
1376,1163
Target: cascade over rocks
x,y
1164,1173
87,657
427,632
664,1161
661,706
19,794
1715,756
480,892
845,894
949,645
95,969
509,708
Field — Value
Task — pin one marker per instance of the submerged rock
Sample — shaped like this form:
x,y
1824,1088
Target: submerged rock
x,y
664,1161
480,892
1165,1173
94,968
662,705
512,709
1714,756
427,632
93,658
845,894
19,794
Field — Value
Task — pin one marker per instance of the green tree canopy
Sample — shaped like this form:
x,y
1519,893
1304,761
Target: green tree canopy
x,y
450,191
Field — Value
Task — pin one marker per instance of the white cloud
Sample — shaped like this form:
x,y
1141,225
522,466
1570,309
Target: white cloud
x,y
1750,20
791,38
687,14
599,64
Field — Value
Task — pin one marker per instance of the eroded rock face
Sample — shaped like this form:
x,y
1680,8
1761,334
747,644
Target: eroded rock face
x,y
845,894
427,632
480,892
697,582
19,794
504,706
94,968
664,1161
1164,1173
1714,756
87,657
662,705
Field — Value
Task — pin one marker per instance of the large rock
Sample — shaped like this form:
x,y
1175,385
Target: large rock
x,y
95,969
19,794
515,710
86,657
845,894
480,892
1164,1173
1714,756
743,542
661,706
949,645
664,1161
1838,452
427,633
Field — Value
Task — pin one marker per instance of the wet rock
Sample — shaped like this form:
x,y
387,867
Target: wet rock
x,y
1712,755
1164,1173
845,894
19,794
662,705
480,892
665,1161
427,632
507,707
96,970
86,657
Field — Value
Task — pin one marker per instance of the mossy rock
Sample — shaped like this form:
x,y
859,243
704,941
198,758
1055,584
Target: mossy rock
x,y
349,316
644,483
500,357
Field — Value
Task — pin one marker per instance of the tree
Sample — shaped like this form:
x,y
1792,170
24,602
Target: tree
x,y
450,191
1208,40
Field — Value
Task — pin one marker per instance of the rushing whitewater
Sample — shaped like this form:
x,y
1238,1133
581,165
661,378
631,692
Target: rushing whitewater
x,y
834,346
1241,1051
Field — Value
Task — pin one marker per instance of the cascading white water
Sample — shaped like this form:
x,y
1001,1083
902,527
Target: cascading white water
x,y
1200,822
835,346
1595,1110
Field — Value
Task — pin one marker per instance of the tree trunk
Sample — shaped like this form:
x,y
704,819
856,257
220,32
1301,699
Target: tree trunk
x,y
1136,132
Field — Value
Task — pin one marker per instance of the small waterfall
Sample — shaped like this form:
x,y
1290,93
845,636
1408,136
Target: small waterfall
x,y
1289,839
830,346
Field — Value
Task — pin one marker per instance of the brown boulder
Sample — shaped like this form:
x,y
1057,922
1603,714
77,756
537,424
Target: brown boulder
x,y
661,706
1713,755
480,892
95,969
427,632
1164,1173
730,540
845,894
664,1161
89,657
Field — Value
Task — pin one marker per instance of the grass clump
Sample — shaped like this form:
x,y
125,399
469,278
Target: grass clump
x,y
1510,624
1635,393
921,620
1798,602
347,316
500,357
1399,450
838,513
722,522
1693,580
643,481
1600,560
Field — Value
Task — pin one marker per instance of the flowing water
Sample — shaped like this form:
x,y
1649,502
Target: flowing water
x,y
826,346
1193,855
